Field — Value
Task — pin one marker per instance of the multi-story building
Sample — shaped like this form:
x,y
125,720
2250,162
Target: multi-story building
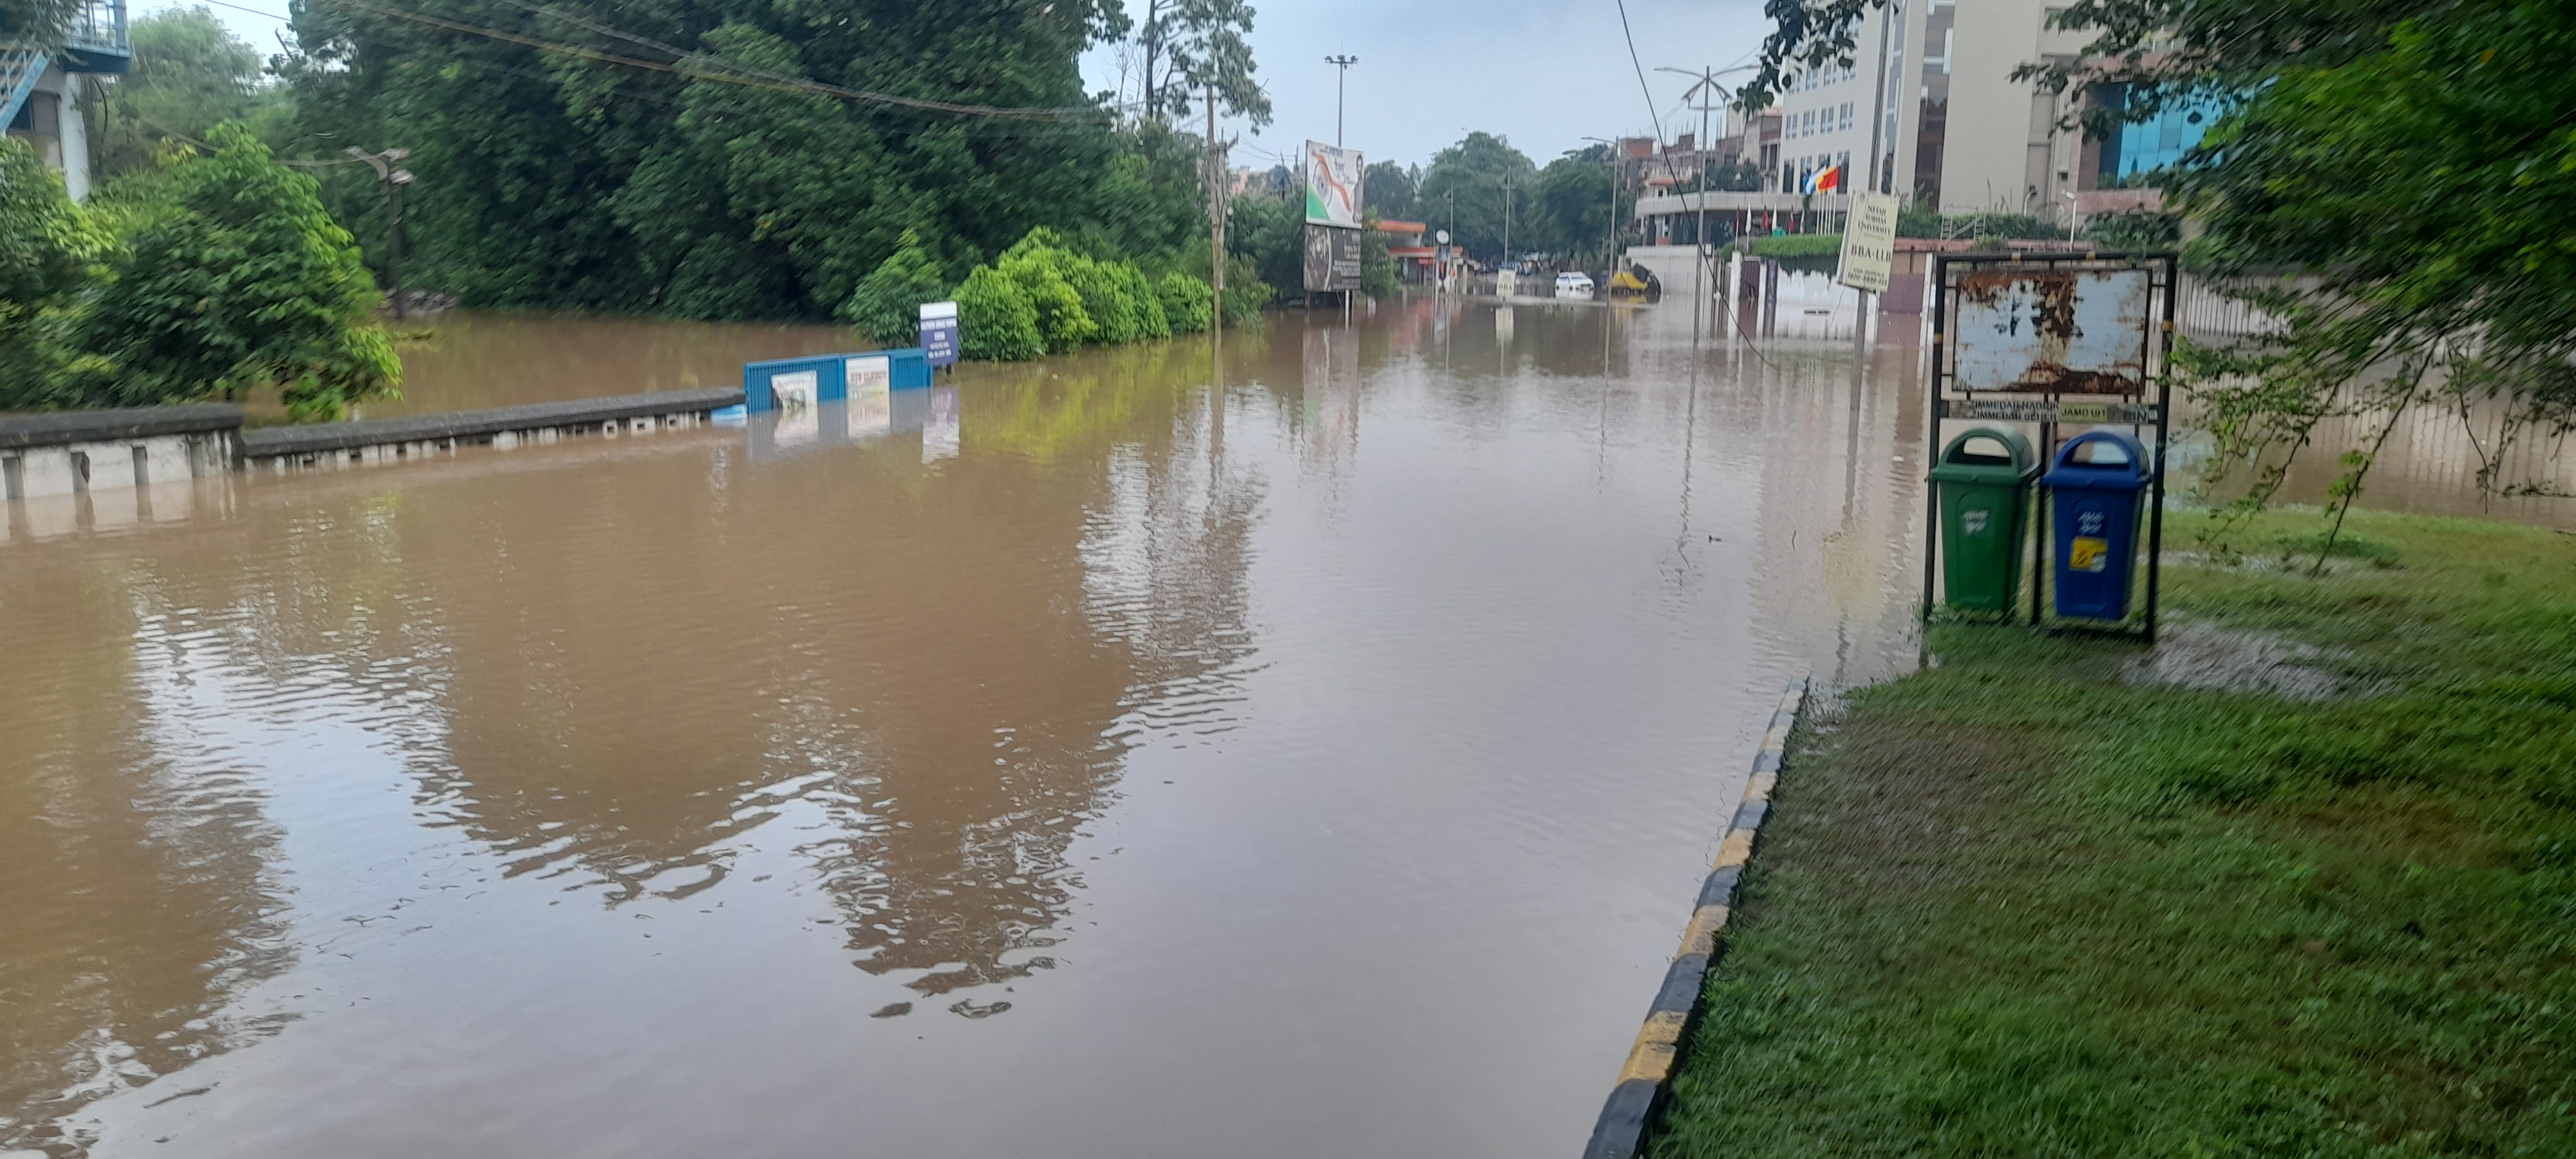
x,y
1952,129
44,91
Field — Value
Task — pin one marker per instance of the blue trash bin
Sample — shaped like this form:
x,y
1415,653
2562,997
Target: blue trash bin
x,y
2095,490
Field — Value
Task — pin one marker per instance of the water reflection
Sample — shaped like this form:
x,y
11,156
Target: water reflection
x,y
969,774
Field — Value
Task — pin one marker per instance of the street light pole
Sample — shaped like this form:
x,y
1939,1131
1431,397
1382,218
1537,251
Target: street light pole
x,y
1610,240
1342,63
1701,253
391,180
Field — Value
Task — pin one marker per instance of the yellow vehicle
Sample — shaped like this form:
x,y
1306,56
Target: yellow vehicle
x,y
1636,282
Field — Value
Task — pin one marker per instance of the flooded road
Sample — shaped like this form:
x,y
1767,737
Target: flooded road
x,y
1111,757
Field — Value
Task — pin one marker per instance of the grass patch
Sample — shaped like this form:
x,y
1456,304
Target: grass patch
x,y
1796,245
2024,904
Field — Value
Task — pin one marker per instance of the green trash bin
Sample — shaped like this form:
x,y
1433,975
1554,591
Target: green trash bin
x,y
1984,479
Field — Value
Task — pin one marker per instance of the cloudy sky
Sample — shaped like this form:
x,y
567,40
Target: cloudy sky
x,y
1545,73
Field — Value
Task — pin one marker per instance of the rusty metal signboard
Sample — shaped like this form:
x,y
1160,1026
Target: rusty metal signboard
x,y
2050,346
2049,330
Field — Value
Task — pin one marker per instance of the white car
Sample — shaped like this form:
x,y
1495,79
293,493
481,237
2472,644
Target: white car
x,y
1574,285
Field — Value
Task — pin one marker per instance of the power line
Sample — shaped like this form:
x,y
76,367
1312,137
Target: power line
x,y
738,74
1640,66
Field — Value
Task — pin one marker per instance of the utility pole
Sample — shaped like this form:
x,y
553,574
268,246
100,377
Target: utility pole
x,y
1702,254
1343,63
391,181
1216,218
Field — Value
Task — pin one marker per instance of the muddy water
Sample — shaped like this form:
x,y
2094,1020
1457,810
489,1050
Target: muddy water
x,y
1125,756
467,360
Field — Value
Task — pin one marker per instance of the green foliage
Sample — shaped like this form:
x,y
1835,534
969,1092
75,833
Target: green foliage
x,y
1388,190
1377,266
1482,177
547,180
2409,164
1043,297
1796,245
886,306
2140,230
1269,235
232,277
38,22
1188,302
1190,46
188,75
2033,902
996,321
1573,207
48,249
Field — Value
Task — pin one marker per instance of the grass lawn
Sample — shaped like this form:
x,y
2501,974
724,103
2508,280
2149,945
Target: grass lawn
x,y
2036,901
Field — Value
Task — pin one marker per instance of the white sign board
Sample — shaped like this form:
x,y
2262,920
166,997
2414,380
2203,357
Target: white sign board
x,y
1332,185
2042,330
1869,243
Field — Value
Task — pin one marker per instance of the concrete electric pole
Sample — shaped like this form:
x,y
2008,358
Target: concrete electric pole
x,y
1216,219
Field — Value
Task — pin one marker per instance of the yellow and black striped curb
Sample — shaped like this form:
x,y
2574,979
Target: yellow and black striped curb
x,y
1621,1129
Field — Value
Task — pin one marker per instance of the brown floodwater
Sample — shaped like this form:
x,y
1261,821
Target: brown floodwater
x,y
1108,757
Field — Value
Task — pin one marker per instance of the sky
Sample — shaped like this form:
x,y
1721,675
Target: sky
x,y
1543,73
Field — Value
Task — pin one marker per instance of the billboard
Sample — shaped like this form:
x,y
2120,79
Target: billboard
x,y
1332,258
2058,331
1332,186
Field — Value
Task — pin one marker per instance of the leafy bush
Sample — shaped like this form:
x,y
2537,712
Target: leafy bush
x,y
233,277
2137,230
996,321
886,305
1039,265
1187,302
47,249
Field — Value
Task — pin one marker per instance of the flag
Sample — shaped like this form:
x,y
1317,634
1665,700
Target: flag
x,y
1825,180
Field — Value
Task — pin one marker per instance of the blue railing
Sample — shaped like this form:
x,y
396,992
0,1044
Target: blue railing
x,y
101,30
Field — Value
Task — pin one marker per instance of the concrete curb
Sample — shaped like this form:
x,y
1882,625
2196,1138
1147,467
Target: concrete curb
x,y
399,435
1621,1129
54,428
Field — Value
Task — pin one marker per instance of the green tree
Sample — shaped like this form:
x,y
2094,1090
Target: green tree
x,y
189,74
1190,46
41,23
1571,210
2411,161
779,163
1485,178
233,278
48,249
1387,189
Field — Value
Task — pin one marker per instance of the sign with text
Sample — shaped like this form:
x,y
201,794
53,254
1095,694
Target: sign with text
x,y
1332,258
1332,185
939,332
1869,243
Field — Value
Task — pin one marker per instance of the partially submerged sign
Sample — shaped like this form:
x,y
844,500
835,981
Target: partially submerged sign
x,y
1869,243
1332,258
939,332
2052,330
